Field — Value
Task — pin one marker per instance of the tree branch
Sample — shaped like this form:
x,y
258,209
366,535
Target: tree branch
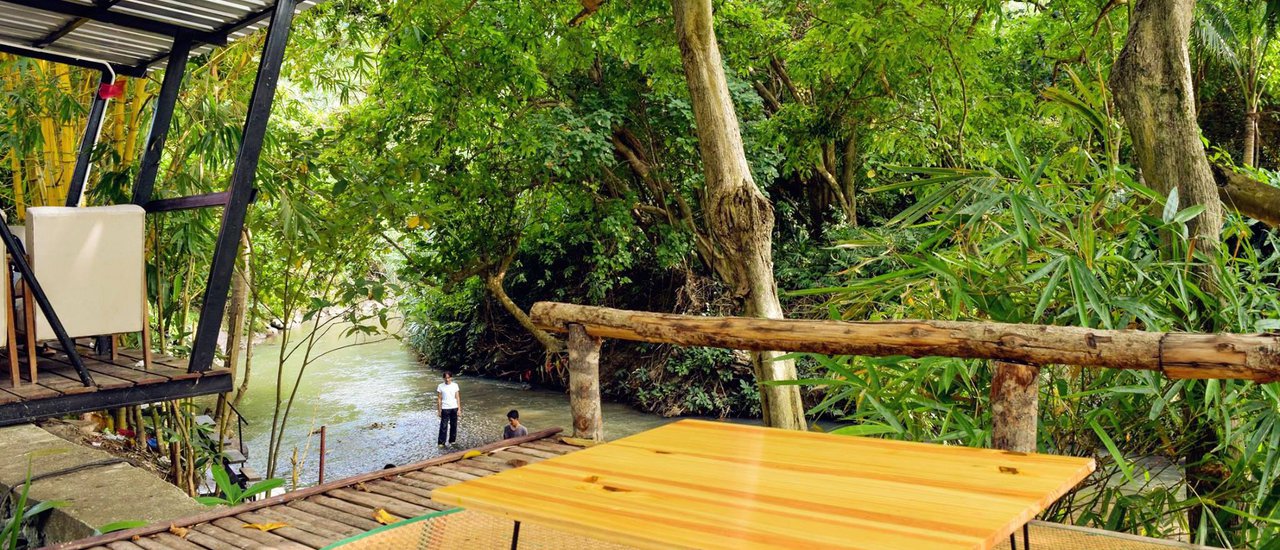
x,y
1248,196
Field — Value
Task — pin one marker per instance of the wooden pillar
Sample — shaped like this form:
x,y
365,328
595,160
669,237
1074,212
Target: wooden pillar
x,y
584,384
1015,406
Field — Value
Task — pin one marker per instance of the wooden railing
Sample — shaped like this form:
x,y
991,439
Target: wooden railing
x,y
1017,351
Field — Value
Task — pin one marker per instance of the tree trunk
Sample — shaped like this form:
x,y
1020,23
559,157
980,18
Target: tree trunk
x,y
849,178
1151,83
584,384
1250,137
493,282
235,331
1015,406
738,215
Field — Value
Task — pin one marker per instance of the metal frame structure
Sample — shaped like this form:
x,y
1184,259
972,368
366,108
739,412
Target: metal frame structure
x,y
123,397
129,38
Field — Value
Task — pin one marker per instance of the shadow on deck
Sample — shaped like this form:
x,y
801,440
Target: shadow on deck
x,y
119,383
322,515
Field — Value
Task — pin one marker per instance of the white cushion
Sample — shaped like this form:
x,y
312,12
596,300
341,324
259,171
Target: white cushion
x,y
89,263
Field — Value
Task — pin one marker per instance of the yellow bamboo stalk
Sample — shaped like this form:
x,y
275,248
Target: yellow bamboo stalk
x,y
15,164
138,99
11,78
117,123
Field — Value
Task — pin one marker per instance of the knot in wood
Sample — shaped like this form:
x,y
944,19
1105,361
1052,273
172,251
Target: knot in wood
x,y
740,216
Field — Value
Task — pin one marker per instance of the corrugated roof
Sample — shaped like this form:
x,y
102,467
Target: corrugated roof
x,y
133,35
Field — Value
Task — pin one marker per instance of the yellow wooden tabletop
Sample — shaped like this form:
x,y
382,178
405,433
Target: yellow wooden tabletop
x,y
699,484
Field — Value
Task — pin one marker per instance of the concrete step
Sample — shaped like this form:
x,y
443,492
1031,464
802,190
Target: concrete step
x,y
250,475
234,456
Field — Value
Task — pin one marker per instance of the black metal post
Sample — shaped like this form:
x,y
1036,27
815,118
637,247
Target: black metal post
x,y
19,257
233,215
92,128
159,132
515,537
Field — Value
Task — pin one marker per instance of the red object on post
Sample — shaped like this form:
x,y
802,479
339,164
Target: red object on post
x,y
112,90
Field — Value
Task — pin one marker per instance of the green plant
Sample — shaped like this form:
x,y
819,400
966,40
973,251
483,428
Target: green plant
x,y
119,526
232,494
11,534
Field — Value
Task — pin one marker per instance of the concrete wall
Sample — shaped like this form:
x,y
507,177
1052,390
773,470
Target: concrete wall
x,y
95,488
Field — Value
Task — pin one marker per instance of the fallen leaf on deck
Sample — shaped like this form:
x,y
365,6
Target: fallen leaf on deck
x,y
265,526
383,517
361,486
471,454
180,531
579,442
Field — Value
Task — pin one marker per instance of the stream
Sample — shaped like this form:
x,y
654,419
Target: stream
x,y
378,404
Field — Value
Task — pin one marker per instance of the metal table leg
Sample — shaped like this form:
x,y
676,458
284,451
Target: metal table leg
x,y
1026,538
515,537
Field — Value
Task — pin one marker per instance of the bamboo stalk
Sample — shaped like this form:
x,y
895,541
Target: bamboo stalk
x,y
1178,355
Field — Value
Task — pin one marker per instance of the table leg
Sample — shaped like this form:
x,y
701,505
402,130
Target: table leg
x,y
1026,538
515,537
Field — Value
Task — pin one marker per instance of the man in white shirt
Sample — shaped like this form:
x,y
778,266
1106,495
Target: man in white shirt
x,y
448,406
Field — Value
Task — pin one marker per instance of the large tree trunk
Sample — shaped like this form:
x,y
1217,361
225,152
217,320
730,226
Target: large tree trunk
x,y
738,215
1151,83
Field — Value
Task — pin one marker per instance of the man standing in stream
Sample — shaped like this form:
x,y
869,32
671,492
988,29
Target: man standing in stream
x,y
448,405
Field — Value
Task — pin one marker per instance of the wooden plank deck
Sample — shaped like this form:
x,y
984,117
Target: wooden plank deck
x,y
321,515
122,382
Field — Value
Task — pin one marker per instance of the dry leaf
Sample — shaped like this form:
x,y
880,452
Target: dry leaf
x,y
472,454
180,531
265,526
579,442
361,486
381,516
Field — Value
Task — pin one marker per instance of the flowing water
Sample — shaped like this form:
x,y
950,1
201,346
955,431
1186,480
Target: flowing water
x,y
378,404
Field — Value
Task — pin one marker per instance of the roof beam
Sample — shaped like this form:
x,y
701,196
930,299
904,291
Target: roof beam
x,y
70,26
124,70
224,33
105,15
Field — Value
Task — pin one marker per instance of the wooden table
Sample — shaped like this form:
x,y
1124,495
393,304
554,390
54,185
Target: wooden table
x,y
698,484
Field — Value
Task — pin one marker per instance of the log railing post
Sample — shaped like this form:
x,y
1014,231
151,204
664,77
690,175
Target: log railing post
x,y
584,384
1015,406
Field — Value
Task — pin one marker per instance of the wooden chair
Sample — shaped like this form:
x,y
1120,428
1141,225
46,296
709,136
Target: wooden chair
x,y
8,336
90,263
